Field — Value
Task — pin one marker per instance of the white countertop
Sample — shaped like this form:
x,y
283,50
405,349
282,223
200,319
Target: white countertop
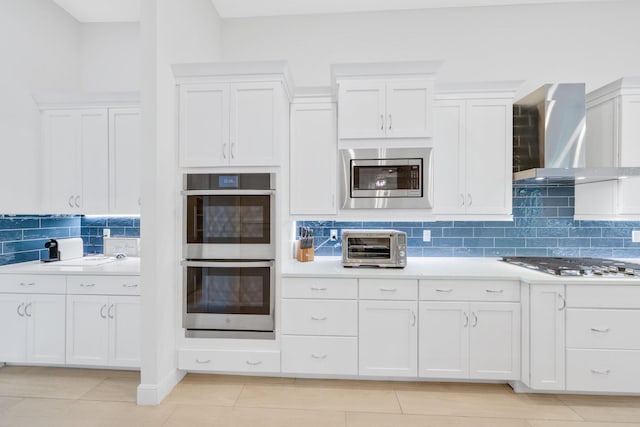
x,y
87,265
441,268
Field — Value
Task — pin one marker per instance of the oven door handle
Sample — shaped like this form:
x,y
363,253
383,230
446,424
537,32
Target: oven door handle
x,y
227,192
225,264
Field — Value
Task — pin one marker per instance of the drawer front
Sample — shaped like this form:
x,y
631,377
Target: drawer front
x,y
320,355
305,287
603,329
603,370
104,285
603,296
229,361
319,317
469,290
389,289
33,283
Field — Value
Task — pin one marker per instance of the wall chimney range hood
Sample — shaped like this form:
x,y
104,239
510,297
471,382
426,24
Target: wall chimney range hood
x,y
549,127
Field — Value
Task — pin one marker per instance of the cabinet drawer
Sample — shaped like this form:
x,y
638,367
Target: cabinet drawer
x,y
319,288
612,329
469,290
33,284
389,289
320,355
104,285
603,370
319,317
229,361
606,296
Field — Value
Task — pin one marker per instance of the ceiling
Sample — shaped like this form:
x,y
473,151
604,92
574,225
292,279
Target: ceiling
x,y
129,10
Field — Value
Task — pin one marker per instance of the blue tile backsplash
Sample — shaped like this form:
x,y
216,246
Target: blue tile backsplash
x,y
543,225
22,237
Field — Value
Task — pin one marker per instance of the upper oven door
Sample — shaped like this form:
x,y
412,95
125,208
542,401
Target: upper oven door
x,y
221,224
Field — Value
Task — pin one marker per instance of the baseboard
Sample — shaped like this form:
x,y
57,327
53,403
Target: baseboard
x,y
153,394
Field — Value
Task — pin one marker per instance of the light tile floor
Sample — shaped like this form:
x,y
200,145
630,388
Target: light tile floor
x,y
34,396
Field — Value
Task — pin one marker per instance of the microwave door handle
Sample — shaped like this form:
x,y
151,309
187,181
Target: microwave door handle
x,y
226,264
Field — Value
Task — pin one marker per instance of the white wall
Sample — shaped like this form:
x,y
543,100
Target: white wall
x,y
587,42
39,46
171,33
110,57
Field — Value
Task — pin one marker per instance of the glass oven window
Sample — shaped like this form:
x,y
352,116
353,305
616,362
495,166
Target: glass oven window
x,y
215,290
405,177
229,219
369,248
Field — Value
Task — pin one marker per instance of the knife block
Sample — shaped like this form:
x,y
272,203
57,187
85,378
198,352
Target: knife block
x,y
304,254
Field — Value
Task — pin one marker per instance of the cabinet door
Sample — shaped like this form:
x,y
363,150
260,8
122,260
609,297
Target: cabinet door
x,y
629,202
87,330
313,159
449,157
45,328
62,161
489,164
124,331
547,337
388,337
13,328
124,161
254,121
494,343
204,125
94,146
444,340
361,109
409,108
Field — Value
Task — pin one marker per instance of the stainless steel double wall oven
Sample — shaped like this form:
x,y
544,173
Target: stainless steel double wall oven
x,y
228,255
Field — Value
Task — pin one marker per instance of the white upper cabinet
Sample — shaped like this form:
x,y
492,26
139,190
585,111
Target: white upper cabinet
x,y
124,160
473,150
385,100
232,114
612,135
313,157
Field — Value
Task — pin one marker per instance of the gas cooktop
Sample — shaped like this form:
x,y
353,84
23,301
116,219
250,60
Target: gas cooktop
x,y
587,267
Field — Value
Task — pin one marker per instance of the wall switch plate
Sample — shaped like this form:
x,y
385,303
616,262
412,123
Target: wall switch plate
x,y
426,235
635,236
333,234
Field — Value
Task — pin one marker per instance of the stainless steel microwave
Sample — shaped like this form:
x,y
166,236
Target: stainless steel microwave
x,y
393,178
374,248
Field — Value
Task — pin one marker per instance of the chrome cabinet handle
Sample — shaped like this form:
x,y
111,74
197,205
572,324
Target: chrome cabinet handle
x,y
26,307
413,318
202,362
139,201
102,313
87,285
110,311
18,310
256,363
77,201
603,330
224,151
444,291
466,319
233,146
389,121
70,202
133,285
381,122
319,356
314,288
461,199
388,289
318,318
475,319
601,372
494,291
470,199
27,284
564,302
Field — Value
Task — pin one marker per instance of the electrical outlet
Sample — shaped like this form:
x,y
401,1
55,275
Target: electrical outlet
x,y
333,235
635,236
426,235
106,232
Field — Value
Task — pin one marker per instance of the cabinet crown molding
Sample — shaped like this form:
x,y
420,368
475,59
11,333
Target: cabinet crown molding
x,y
622,86
60,100
491,89
406,69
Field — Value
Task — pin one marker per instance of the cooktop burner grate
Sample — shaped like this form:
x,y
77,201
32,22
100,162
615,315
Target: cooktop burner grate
x,y
565,266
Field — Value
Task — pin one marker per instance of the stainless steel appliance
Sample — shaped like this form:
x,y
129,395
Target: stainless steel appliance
x,y
374,248
229,216
394,178
586,267
228,255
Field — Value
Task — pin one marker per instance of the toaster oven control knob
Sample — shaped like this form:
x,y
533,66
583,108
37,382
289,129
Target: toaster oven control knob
x,y
401,253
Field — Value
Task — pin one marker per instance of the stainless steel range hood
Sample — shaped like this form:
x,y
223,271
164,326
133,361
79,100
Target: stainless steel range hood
x,y
549,138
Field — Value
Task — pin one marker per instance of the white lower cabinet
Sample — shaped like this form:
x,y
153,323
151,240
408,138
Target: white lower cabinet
x,y
32,328
103,330
388,337
240,361
470,340
320,355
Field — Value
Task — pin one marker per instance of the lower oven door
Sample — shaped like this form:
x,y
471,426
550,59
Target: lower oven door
x,y
228,295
